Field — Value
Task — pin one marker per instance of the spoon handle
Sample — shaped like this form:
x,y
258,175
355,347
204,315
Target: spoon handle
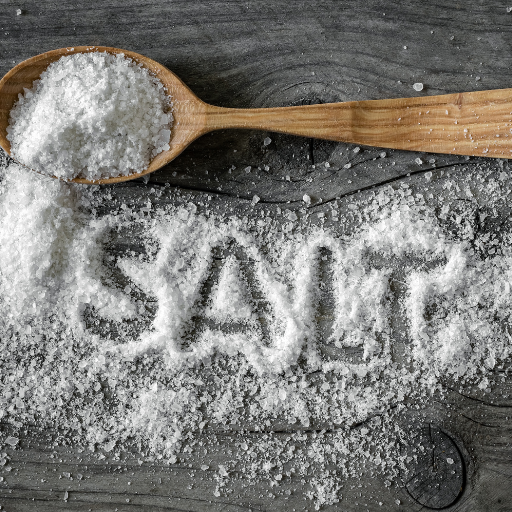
x,y
470,123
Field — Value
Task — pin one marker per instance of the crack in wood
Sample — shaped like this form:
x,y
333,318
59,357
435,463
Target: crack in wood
x,y
479,400
387,182
478,422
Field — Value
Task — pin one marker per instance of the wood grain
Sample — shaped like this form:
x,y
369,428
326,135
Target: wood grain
x,y
475,123
268,54
439,477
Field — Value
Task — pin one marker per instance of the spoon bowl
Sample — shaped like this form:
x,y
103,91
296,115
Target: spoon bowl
x,y
188,110
471,123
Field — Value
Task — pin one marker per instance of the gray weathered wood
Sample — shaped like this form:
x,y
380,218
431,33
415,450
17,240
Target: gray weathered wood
x,y
266,53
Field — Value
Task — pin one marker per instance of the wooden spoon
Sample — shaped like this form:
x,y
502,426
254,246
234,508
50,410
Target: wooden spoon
x,y
471,123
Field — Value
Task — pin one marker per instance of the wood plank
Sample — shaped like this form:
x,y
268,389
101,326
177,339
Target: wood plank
x,y
278,53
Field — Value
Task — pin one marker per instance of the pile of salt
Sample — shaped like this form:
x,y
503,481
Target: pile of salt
x,y
92,115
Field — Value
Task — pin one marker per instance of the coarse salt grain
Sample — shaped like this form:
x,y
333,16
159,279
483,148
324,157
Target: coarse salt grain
x,y
92,115
56,291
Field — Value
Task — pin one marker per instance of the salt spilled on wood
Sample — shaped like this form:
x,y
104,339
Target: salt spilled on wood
x,y
92,115
215,324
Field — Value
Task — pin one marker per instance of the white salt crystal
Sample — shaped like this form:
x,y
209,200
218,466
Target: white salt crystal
x,y
419,161
12,441
306,199
255,199
92,115
109,446
418,86
18,12
267,141
230,297
450,460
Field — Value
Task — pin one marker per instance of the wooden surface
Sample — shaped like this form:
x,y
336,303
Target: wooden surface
x,y
281,53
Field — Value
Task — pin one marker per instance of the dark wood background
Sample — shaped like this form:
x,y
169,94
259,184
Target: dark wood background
x,y
260,53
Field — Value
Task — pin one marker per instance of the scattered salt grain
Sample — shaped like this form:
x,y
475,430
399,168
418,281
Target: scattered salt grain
x,y
418,86
267,141
233,324
18,12
92,115
12,441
